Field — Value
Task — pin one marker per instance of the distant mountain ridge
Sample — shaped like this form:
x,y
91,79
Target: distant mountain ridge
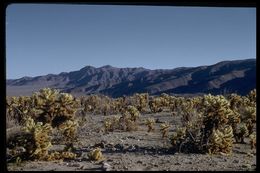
x,y
237,76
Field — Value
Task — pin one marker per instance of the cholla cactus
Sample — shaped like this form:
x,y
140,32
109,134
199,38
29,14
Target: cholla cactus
x,y
253,141
235,101
69,129
41,136
95,154
150,124
54,107
61,155
141,101
221,141
241,132
20,108
165,129
178,136
133,111
35,140
252,95
156,105
110,124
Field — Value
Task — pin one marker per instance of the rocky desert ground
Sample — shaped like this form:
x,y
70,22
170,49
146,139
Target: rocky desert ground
x,y
139,151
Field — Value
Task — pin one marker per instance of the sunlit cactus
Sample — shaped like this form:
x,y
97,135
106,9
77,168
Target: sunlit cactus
x,y
141,101
241,132
150,124
252,95
164,128
252,141
221,141
112,123
95,154
178,136
133,111
35,140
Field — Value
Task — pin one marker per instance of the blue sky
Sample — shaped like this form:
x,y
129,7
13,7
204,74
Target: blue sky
x,y
49,39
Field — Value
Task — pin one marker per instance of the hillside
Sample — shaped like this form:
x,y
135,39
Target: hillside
x,y
227,76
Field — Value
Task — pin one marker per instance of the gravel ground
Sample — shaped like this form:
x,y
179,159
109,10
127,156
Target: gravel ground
x,y
140,151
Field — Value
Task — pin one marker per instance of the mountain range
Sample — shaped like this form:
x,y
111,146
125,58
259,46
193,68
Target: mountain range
x,y
238,76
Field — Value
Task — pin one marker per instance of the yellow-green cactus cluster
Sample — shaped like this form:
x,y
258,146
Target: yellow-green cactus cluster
x,y
96,155
19,108
48,109
54,107
216,110
69,129
134,113
90,103
150,124
42,137
156,105
110,124
252,96
141,101
164,128
212,114
35,141
221,141
253,141
241,132
176,104
178,136
235,100
165,100
117,105
60,155
126,122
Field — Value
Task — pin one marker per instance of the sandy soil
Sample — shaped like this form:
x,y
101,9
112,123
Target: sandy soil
x,y
140,151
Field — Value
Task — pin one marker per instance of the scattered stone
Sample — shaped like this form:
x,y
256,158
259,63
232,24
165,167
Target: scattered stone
x,y
73,164
119,146
248,166
250,154
139,161
235,161
106,166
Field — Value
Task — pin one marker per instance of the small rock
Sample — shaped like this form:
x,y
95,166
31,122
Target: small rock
x,y
248,166
73,165
131,148
250,155
119,146
235,161
139,161
106,166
